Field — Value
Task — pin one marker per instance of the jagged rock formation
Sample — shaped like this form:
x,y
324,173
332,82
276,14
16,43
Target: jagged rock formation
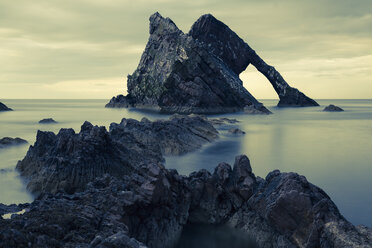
x,y
3,107
68,161
47,121
332,108
177,74
230,48
175,136
7,141
151,205
199,72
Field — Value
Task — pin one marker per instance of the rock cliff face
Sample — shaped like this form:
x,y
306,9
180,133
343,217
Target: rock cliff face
x,y
176,74
236,54
149,207
3,107
68,161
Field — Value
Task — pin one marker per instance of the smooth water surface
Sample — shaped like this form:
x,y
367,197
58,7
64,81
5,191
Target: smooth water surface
x,y
333,150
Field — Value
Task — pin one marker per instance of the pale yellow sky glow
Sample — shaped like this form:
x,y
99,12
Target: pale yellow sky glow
x,y
85,49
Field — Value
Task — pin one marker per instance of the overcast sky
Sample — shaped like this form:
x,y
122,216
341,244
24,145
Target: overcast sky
x,y
86,48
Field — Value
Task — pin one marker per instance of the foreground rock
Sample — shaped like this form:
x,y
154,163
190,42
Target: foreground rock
x,y
237,55
151,205
332,108
177,74
7,141
3,107
68,161
47,121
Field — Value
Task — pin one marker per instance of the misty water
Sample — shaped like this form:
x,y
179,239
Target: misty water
x,y
333,150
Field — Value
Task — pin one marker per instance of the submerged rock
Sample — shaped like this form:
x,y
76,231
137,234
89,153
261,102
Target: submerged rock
x,y
237,55
3,107
68,161
47,121
332,108
177,74
236,131
7,141
222,121
151,205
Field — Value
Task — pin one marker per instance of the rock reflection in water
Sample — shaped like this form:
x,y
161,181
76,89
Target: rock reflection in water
x,y
211,236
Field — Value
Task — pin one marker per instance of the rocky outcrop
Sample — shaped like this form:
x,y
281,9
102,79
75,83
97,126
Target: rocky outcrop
x,y
47,121
176,136
177,74
332,108
151,205
237,55
3,107
68,161
7,141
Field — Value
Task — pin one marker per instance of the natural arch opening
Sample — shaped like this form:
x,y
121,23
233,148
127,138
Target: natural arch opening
x,y
257,84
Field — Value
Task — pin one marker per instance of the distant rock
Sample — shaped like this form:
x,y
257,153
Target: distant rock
x,y
332,108
236,131
7,141
47,121
3,107
237,55
223,120
177,74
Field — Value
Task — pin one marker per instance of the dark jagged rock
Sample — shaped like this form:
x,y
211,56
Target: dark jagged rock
x,y
176,136
68,161
47,121
151,205
236,54
332,108
3,107
176,74
7,141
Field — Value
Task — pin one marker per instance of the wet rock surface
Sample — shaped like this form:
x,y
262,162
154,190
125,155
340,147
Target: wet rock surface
x,y
3,107
8,141
177,74
47,121
237,55
236,131
150,206
332,108
68,160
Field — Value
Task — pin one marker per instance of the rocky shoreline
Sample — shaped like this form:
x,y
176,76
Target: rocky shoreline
x,y
100,188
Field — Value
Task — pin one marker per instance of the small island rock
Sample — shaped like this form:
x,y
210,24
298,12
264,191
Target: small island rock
x,y
7,141
332,108
47,121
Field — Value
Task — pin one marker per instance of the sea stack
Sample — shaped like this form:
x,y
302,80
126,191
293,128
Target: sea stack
x,y
199,72
178,74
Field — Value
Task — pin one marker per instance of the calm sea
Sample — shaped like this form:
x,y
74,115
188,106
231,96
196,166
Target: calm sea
x,y
333,150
